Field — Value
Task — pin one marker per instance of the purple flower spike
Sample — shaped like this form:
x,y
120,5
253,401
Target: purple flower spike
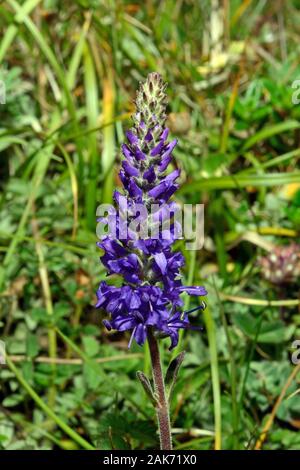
x,y
149,297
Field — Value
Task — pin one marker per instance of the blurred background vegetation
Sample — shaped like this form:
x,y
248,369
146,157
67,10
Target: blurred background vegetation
x,y
70,71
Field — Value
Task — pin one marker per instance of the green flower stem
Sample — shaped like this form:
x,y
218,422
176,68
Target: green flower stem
x,y
162,407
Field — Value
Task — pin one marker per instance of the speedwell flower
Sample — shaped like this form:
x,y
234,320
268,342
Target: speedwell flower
x,y
149,297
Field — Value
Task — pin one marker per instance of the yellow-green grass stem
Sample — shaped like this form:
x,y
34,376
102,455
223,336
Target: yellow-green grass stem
x,y
212,342
49,411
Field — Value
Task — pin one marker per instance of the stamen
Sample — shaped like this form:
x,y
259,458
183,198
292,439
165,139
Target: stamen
x,y
131,337
200,307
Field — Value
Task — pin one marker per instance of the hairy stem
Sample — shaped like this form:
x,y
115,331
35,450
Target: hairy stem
x,y
162,408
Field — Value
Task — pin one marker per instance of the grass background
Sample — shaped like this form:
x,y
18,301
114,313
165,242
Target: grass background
x,y
70,71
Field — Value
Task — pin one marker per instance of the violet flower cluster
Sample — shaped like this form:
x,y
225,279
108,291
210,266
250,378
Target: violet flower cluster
x,y
149,295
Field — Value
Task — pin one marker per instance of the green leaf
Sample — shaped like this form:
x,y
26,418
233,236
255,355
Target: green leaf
x,y
6,431
273,332
91,346
32,345
92,379
146,386
172,373
12,400
276,333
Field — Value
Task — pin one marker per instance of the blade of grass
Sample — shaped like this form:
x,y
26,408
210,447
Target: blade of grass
x,y
269,131
92,112
233,239
278,231
78,53
239,12
240,180
84,133
260,171
49,412
217,213
43,241
75,361
52,342
74,186
260,302
233,373
229,110
12,30
275,161
47,51
212,342
194,442
60,73
6,140
108,153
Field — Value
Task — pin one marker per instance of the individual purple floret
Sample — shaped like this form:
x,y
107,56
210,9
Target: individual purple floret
x,y
150,294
